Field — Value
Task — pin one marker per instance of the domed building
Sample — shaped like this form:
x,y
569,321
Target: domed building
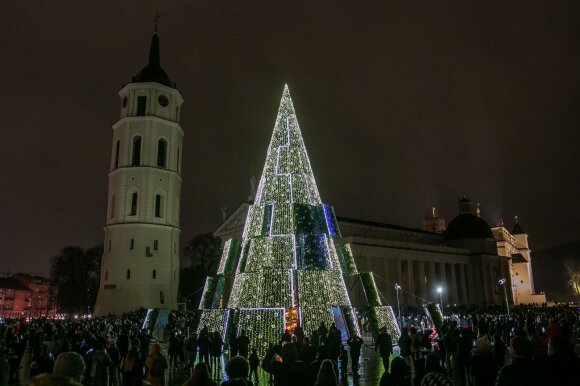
x,y
467,259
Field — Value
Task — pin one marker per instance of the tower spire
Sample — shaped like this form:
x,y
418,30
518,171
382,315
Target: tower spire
x,y
154,56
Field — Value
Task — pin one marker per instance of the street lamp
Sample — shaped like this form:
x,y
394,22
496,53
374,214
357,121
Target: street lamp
x,y
397,288
440,291
502,282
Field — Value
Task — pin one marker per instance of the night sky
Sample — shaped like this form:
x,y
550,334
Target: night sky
x,y
400,104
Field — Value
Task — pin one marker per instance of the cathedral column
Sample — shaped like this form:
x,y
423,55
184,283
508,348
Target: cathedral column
x,y
386,275
411,280
493,283
444,283
432,281
465,298
454,292
421,282
474,290
399,277
484,277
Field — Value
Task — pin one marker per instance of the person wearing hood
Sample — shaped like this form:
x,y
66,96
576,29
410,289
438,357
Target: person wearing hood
x,y
237,371
483,365
286,369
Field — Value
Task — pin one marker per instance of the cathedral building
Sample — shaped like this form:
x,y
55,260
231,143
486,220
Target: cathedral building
x,y
140,265
467,259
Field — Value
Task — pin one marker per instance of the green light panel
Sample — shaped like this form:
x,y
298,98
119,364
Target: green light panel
x,y
215,319
262,289
385,317
263,326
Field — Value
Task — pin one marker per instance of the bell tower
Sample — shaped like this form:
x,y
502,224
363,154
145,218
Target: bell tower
x,y
140,265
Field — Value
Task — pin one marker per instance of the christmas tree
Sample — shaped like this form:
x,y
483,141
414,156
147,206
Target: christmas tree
x,y
288,268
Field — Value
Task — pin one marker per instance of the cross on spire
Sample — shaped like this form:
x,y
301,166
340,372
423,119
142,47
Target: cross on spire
x,y
155,20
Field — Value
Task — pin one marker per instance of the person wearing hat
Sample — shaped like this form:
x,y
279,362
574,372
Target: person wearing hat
x,y
483,367
70,364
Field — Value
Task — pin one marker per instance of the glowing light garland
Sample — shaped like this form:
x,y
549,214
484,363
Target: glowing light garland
x,y
228,259
291,262
263,325
215,320
383,316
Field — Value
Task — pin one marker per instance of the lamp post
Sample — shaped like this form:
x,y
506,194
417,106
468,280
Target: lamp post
x,y
397,288
502,282
440,291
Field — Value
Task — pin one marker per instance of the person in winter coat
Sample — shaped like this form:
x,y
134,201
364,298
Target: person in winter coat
x,y
355,343
522,371
405,344
100,366
384,345
156,364
200,376
400,374
483,367
254,364
326,375
288,371
563,364
237,370
132,364
243,344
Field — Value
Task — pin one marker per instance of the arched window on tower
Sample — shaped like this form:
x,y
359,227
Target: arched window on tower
x,y
162,153
158,205
177,159
117,150
136,156
113,206
134,200
141,104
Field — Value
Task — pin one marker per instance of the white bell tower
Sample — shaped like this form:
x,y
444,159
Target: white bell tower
x,y
140,266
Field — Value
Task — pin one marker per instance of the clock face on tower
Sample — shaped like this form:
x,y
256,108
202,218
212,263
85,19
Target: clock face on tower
x,y
163,101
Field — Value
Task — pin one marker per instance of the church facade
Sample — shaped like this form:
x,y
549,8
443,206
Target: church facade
x,y
467,260
140,265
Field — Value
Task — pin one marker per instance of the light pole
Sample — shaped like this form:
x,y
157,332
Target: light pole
x,y
397,288
502,282
440,291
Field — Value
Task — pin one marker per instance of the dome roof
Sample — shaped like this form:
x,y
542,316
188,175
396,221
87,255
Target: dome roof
x,y
153,72
468,226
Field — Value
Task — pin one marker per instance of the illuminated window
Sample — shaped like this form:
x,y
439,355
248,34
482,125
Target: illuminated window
x,y
113,206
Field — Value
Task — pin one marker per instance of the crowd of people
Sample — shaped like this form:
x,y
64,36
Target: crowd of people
x,y
530,346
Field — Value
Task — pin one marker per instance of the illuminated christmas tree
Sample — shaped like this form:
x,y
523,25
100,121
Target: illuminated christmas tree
x,y
289,266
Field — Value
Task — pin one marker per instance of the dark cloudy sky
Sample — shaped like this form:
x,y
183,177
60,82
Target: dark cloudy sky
x,y
401,103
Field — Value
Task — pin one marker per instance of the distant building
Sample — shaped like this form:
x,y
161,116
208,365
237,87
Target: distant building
x,y
140,265
514,244
467,258
25,296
